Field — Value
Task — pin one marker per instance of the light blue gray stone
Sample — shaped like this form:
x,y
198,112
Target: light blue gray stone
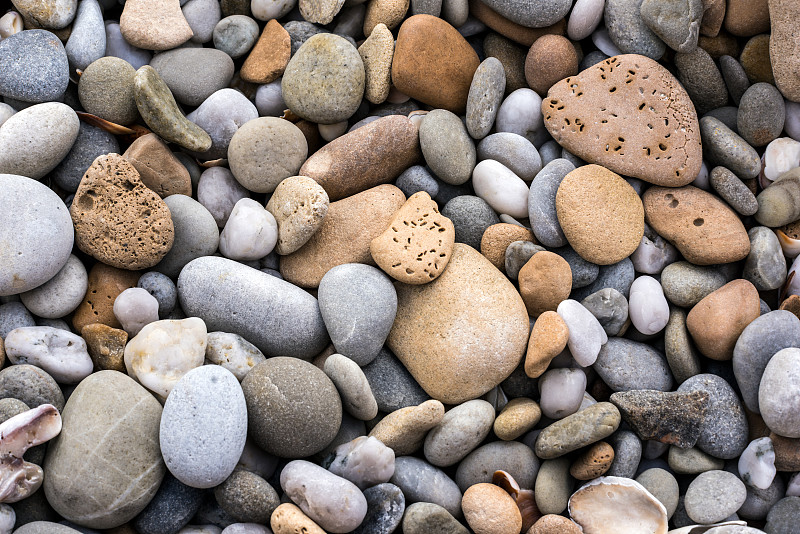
x,y
618,276
193,74
584,272
87,41
513,151
196,234
416,179
117,46
765,266
235,35
163,290
422,482
626,365
34,66
542,203
629,32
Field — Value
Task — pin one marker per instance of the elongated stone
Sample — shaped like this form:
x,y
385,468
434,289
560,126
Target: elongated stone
x,y
669,417
578,430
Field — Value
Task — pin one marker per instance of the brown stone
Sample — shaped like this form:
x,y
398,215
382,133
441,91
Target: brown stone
x,y
713,15
716,322
673,417
784,46
376,53
388,12
702,227
593,462
554,524
2,353
154,24
344,236
158,167
289,519
755,60
374,154
496,239
629,114
792,304
745,18
787,452
269,57
550,59
511,56
404,430
544,282
549,338
462,334
433,63
105,284
417,244
600,213
106,346
516,418
118,220
516,32
488,509
724,44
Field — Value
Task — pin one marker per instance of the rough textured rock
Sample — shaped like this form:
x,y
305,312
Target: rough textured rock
x,y
784,50
639,119
669,417
299,205
118,220
592,424
473,357
377,53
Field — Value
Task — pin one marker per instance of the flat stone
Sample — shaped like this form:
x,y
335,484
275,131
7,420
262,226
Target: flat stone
x,y
536,14
577,430
105,89
677,23
627,365
469,370
377,52
158,168
35,66
448,149
485,95
628,30
138,27
713,496
193,74
270,55
722,146
514,151
623,96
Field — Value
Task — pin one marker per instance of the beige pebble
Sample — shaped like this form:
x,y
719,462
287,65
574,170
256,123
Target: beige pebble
x,y
289,519
497,237
554,524
517,417
594,462
404,430
488,509
320,11
376,53
154,24
106,346
544,282
387,12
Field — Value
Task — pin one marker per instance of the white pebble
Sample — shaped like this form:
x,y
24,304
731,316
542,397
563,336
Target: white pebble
x,y
365,462
561,392
793,286
603,42
584,18
781,155
521,113
6,112
250,233
329,132
60,295
134,308
647,306
10,23
164,351
651,256
233,352
62,354
503,190
271,9
246,528
269,99
586,336
757,463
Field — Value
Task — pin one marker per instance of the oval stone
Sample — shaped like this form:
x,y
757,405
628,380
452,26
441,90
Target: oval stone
x,y
478,333
34,65
626,365
777,394
106,465
204,426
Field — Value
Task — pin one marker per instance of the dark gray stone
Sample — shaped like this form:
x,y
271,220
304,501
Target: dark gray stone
x,y
782,519
517,255
300,31
416,179
91,143
392,384
761,114
627,454
385,508
701,78
471,217
610,308
735,77
584,272
542,203
171,509
163,290
618,276
34,66
31,385
12,316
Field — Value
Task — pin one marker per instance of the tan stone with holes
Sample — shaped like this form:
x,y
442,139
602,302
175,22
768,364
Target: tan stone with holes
x,y
629,114
418,243
594,462
702,227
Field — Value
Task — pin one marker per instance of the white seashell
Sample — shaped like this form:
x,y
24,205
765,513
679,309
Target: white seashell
x,y
611,505
781,155
789,245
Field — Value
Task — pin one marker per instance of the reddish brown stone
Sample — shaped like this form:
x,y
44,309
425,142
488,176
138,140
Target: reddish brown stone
x,y
105,284
787,452
158,167
745,18
270,55
550,59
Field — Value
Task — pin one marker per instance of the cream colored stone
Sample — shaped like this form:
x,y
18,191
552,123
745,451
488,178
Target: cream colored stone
x,y
404,430
376,53
299,205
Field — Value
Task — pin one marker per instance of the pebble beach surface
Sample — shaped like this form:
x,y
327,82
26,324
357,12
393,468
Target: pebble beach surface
x,y
400,266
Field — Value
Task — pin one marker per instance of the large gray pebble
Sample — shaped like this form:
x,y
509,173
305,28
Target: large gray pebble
x,y
531,13
461,430
204,426
196,234
626,365
777,394
676,22
276,316
765,265
724,431
358,303
36,232
511,456
36,139
542,203
758,342
761,114
391,383
513,151
686,284
628,30
91,143
34,65
194,74
87,41
485,95
713,496
722,146
447,147
471,217
202,16
421,482
221,115
61,294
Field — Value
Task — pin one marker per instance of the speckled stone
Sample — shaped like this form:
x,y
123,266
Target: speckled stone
x,y
485,95
583,428
471,217
761,114
193,74
105,89
391,383
35,67
626,365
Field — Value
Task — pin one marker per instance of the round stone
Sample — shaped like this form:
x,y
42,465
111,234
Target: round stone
x,y
489,509
193,74
196,234
514,457
713,496
34,66
448,149
471,216
221,115
31,385
600,213
544,282
761,114
550,59
105,89
38,239
324,81
250,233
247,497
299,205
626,365
293,408
235,35
776,393
61,294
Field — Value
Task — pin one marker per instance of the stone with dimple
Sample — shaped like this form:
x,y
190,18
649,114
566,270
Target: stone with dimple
x,y
270,55
63,355
154,24
471,358
594,462
433,63
702,227
600,214
299,205
633,131
34,65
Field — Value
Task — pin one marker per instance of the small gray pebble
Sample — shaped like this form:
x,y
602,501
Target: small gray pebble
x,y
235,35
14,315
542,202
627,29
162,288
471,217
765,265
416,179
735,77
422,482
685,284
513,151
391,383
618,276
627,454
721,146
733,191
87,41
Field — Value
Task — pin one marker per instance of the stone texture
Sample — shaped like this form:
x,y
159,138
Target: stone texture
x,y
548,339
109,420
509,28
471,358
488,509
35,67
371,155
158,167
105,284
154,24
592,424
194,74
550,59
544,282
117,219
429,51
106,346
299,205
377,53
270,55
593,462
784,50
498,237
344,236
677,23
629,130
404,430
702,227
105,89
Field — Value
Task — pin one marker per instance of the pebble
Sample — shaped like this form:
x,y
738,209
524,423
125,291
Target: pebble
x,y
783,48
517,255
554,524
415,179
87,41
105,284
724,432
672,418
202,16
447,147
61,294
610,308
421,482
392,384
235,35
459,432
584,19
232,352
172,507
498,237
514,152
514,457
577,430
35,67
30,385
722,146
627,454
377,53
218,191
14,315
289,519
701,78
519,113
663,486
134,308
761,114
385,509
247,497
553,486
775,399
731,189
193,74
561,392
269,99
542,202
735,77
117,46
488,509
61,354
471,216
629,31
773,208
90,143
503,190
336,504
250,233
537,14
365,461
686,284
312,92
586,336
162,288
713,496
627,365
221,115
106,346
424,517
648,308
485,96
404,430
91,438
550,59
137,28
105,89
765,266
284,420
354,389
516,418
159,169
269,57
757,464
676,23
544,282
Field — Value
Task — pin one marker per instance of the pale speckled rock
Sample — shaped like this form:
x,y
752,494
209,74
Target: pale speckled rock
x,y
461,430
62,354
137,27
628,30
233,352
469,368
776,393
485,95
299,205
353,387
677,23
376,53
35,66
221,115
713,496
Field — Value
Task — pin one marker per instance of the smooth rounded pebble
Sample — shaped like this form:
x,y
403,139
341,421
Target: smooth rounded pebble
x,y
713,496
61,294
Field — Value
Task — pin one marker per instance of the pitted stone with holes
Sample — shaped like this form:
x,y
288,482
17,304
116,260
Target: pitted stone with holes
x,y
417,245
629,114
